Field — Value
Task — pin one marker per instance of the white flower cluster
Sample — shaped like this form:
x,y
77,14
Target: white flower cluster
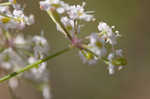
x,y
74,11
116,59
95,47
22,52
14,19
27,51
18,51
70,14
107,33
57,5
103,45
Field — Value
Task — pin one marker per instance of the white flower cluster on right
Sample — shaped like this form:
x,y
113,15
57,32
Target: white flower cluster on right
x,y
92,48
103,44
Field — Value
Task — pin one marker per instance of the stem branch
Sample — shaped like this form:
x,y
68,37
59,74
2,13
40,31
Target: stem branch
x,y
56,19
28,67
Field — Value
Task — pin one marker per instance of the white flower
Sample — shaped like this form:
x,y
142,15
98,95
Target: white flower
x,y
60,10
18,13
97,45
107,33
88,57
4,9
55,4
32,60
77,12
6,65
68,23
44,4
40,45
37,72
19,40
39,40
13,83
64,5
119,52
29,20
116,60
104,27
46,92
111,69
15,4
10,60
15,20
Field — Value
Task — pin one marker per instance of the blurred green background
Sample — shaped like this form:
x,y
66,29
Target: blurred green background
x,y
71,79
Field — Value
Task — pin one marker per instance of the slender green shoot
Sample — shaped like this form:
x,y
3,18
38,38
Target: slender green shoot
x,y
28,67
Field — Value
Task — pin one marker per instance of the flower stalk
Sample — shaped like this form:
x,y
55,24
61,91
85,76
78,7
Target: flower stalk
x,y
28,67
55,18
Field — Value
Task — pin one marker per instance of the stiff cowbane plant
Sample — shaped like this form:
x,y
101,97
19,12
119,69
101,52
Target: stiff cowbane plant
x,y
20,53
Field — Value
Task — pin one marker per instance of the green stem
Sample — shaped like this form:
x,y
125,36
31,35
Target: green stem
x,y
28,67
86,49
5,4
56,19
